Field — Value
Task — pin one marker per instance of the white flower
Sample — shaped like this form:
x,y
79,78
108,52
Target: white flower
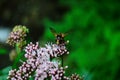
x,y
39,60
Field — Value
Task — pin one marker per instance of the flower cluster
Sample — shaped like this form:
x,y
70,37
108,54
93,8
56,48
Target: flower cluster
x,y
39,61
23,73
17,35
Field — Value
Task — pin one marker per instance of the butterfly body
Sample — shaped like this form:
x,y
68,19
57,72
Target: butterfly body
x,y
60,39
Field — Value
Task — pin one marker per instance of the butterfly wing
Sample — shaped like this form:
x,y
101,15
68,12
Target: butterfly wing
x,y
53,31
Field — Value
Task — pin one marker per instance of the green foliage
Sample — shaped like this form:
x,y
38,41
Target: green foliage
x,y
4,73
3,51
94,41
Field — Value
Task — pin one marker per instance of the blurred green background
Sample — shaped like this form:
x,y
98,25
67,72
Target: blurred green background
x,y
94,36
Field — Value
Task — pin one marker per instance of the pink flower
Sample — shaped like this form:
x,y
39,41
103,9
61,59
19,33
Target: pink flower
x,y
39,61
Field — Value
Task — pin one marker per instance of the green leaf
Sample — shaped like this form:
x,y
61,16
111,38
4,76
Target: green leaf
x,y
3,51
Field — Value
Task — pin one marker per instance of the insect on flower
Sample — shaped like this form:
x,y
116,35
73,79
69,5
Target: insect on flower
x,y
59,37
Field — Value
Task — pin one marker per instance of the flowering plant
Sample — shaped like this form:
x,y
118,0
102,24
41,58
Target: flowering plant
x,y
40,65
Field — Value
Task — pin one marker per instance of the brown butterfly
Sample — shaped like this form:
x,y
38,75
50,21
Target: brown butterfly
x,y
59,37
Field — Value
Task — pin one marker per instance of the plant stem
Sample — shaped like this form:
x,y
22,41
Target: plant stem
x,y
62,65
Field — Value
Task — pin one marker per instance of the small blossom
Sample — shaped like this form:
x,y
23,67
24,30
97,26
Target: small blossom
x,y
58,73
55,50
17,35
